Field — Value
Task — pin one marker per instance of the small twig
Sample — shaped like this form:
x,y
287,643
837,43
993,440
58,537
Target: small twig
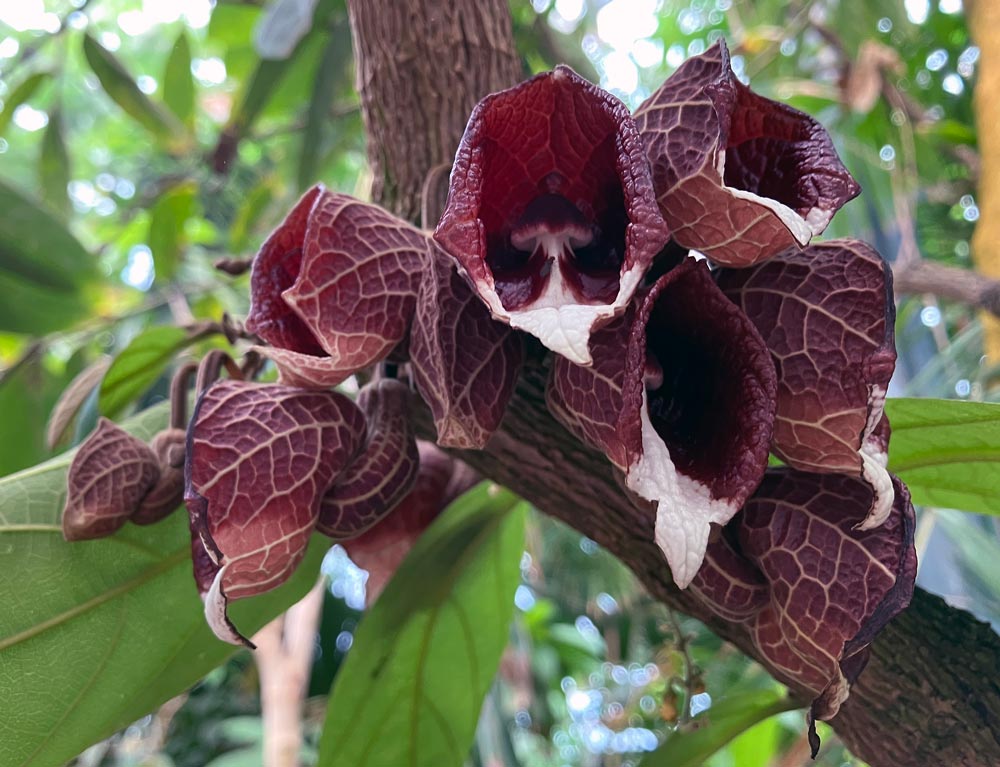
x,y
956,283
681,643
284,657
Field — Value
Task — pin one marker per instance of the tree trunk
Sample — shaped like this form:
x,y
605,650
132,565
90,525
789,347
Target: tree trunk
x,y
931,693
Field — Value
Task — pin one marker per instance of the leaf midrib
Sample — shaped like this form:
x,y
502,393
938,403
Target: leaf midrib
x,y
149,574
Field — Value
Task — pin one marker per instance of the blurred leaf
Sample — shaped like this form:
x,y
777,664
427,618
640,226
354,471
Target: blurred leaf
x,y
178,82
947,452
260,88
54,165
122,89
712,729
24,91
42,268
424,657
138,367
72,399
758,746
331,67
283,25
23,405
95,634
166,227
249,212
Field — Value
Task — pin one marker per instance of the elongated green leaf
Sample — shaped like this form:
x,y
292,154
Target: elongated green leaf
x,y
166,227
42,268
95,634
54,165
122,89
24,91
138,366
178,82
714,728
947,452
423,659
331,65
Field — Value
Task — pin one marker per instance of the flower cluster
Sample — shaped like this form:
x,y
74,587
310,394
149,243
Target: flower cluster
x,y
665,259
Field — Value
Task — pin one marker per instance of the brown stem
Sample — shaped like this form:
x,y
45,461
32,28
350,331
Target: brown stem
x,y
179,395
931,693
284,657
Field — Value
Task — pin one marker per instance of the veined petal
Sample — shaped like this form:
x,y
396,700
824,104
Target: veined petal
x,y
829,587
259,460
827,315
588,400
738,177
698,409
275,269
110,475
381,549
551,212
357,286
383,471
464,363
334,288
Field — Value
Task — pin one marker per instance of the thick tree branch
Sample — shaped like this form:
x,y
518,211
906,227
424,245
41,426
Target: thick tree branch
x,y
931,694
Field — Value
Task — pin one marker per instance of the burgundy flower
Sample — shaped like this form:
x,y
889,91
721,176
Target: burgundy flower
x,y
333,290
738,177
381,549
551,212
115,477
827,314
681,397
260,460
811,587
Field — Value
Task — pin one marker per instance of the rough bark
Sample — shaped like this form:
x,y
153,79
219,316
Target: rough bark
x,y
421,67
931,694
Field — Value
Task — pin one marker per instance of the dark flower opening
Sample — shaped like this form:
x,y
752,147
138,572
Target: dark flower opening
x,y
689,409
551,211
552,232
768,146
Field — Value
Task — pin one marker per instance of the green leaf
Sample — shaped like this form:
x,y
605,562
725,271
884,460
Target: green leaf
x,y
178,83
331,64
138,366
947,452
95,634
166,227
42,268
712,729
250,212
54,165
122,89
24,91
423,658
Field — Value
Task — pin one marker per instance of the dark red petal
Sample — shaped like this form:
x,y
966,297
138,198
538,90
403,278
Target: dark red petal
x,y
381,549
275,269
698,408
738,177
357,285
382,472
551,211
168,492
464,363
259,460
110,474
827,315
833,587
588,400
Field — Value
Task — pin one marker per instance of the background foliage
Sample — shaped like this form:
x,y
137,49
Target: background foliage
x,y
141,141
